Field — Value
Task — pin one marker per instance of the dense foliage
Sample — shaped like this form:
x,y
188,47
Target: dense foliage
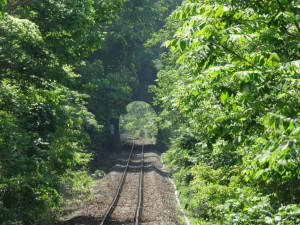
x,y
66,68
113,72
140,120
44,113
229,87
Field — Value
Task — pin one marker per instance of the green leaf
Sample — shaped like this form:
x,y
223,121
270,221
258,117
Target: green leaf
x,y
181,58
283,149
168,43
224,97
219,12
182,45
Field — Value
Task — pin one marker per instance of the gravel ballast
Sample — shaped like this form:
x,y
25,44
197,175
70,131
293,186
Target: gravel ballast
x,y
159,203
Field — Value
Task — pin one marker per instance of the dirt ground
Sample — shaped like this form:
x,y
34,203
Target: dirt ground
x,y
159,203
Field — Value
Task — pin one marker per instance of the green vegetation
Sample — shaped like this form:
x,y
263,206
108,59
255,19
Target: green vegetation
x,y
66,68
44,112
229,89
228,86
139,121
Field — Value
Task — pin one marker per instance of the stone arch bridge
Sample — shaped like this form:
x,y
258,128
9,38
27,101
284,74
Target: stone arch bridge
x,y
146,76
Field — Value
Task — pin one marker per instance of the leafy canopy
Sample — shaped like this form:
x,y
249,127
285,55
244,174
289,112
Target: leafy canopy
x,y
229,88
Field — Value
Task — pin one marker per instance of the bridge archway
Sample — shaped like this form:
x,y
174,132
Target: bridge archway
x,y
139,121
147,74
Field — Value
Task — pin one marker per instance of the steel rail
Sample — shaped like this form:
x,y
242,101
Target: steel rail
x,y
138,212
114,203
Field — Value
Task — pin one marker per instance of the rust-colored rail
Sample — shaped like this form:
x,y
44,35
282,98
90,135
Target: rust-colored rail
x,y
114,203
112,206
138,212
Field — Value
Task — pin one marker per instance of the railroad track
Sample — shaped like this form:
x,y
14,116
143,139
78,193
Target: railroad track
x,y
114,204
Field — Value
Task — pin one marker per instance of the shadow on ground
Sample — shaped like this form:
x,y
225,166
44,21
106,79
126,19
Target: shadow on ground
x,y
81,220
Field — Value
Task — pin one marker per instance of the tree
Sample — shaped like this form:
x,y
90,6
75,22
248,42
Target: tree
x,y
124,59
57,95
72,30
43,143
231,75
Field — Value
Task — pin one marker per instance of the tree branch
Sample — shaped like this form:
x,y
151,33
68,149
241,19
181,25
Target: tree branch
x,y
234,53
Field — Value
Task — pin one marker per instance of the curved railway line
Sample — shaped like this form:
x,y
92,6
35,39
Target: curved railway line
x,y
136,191
136,217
